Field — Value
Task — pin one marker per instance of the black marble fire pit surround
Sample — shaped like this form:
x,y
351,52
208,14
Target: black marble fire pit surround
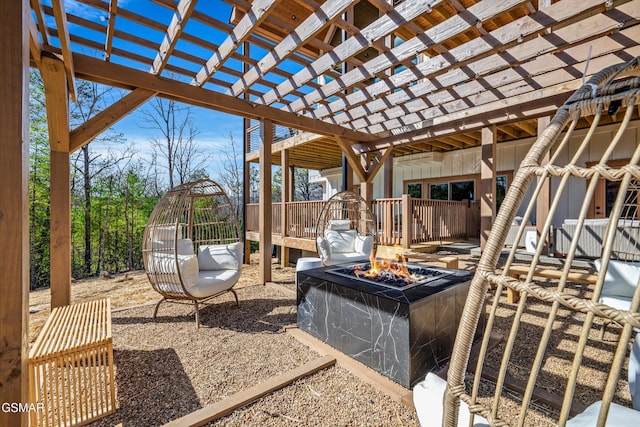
x,y
401,333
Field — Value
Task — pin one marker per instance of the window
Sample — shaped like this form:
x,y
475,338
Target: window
x,y
463,190
439,191
501,189
415,190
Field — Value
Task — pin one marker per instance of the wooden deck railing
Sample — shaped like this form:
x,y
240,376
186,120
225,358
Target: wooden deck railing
x,y
403,221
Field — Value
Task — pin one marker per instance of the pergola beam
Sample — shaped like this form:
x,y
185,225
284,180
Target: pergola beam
x,y
106,118
171,37
302,34
352,158
36,6
380,28
65,44
260,9
480,58
503,83
120,76
111,26
452,27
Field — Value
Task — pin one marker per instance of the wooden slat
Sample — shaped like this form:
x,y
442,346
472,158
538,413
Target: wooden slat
x,y
243,398
259,11
65,45
87,131
35,46
594,27
532,105
407,50
577,277
120,76
171,37
307,29
36,7
380,28
111,27
431,68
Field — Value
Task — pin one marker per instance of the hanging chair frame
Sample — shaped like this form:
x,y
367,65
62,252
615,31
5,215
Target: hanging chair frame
x,y
197,213
609,91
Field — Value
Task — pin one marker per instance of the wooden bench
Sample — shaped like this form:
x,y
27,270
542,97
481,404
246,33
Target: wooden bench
x,y
516,271
71,366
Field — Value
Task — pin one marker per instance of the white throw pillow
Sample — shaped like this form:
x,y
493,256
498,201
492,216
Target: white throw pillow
x,y
341,241
363,244
621,279
185,247
220,257
339,224
324,248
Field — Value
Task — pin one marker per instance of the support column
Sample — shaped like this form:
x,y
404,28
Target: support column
x,y
265,212
388,178
14,212
487,183
347,175
57,99
286,198
543,201
246,167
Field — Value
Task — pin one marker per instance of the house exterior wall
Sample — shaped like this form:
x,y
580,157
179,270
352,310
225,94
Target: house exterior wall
x,y
509,156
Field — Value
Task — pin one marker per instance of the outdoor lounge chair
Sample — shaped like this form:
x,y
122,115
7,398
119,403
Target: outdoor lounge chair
x,y
345,230
192,248
613,92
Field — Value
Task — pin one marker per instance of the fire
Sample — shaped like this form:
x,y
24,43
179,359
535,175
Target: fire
x,y
385,269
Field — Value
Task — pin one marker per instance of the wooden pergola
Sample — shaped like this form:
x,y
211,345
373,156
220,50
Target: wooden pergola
x,y
367,79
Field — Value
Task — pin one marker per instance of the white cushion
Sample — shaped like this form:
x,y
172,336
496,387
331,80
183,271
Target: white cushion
x,y
621,278
166,232
634,373
428,398
185,247
324,248
341,241
619,416
339,224
220,257
363,244
344,258
213,282
166,263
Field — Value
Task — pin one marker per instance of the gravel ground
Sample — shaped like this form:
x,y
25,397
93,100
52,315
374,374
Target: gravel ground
x,y
166,368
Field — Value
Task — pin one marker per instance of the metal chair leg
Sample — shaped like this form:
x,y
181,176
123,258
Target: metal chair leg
x,y
155,311
605,323
235,295
197,315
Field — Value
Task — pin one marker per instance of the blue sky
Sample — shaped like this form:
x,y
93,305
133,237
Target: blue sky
x,y
214,127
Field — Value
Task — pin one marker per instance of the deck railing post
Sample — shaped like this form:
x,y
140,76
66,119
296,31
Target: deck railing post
x,y
406,221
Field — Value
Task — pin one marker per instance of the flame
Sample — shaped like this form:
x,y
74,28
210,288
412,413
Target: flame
x,y
386,269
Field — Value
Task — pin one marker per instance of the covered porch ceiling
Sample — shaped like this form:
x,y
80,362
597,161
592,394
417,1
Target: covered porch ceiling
x,y
415,75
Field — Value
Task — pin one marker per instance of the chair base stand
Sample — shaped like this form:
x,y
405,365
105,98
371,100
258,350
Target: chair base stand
x,y
196,303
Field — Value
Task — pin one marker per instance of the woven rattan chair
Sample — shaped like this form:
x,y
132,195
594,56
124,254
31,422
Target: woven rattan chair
x,y
610,94
192,245
345,230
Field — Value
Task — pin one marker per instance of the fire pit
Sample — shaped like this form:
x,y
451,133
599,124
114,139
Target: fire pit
x,y
393,274
402,327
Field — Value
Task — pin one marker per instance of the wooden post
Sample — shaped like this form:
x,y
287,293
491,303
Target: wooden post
x,y
266,134
347,175
246,169
388,178
14,212
286,198
57,99
543,201
487,183
406,221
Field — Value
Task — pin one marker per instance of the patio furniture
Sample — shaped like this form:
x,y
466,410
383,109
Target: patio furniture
x,y
345,230
592,236
612,92
620,282
71,366
192,246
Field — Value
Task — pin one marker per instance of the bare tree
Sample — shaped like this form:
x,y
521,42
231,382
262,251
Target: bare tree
x,y
303,189
175,149
231,175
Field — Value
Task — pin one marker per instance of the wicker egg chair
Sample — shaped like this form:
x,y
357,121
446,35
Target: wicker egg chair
x,y
566,355
192,245
345,230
